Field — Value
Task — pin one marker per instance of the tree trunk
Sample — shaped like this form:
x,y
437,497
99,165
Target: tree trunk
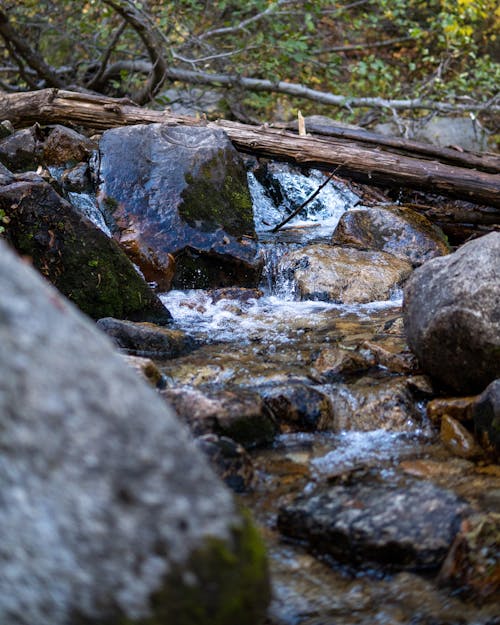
x,y
369,162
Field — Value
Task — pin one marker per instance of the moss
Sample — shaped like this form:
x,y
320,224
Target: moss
x,y
209,204
229,585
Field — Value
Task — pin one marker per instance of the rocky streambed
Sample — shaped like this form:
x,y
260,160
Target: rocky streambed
x,y
375,487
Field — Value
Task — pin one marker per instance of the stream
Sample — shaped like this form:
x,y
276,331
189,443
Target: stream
x,y
267,339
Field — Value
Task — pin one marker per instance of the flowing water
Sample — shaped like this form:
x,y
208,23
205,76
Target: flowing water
x,y
270,338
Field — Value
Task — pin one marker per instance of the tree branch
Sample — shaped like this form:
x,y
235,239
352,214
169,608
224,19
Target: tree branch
x,y
18,43
95,81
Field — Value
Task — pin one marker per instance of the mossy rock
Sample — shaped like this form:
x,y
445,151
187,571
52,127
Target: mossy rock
x,y
78,258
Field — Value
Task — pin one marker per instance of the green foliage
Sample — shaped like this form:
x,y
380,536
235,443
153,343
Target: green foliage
x,y
438,49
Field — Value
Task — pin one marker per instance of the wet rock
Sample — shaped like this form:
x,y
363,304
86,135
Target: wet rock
x,y
459,408
147,369
6,128
77,179
458,439
472,566
78,258
239,294
240,414
180,191
397,230
6,176
22,150
229,460
371,405
333,363
406,527
343,275
297,407
452,314
109,513
145,339
66,146
486,415
391,355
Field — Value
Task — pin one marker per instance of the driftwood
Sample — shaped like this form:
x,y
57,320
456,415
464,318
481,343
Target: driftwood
x,y
365,161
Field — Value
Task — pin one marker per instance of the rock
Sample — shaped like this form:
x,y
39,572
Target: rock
x,y
147,369
367,522
297,407
397,230
486,415
6,176
459,408
472,566
240,414
458,439
78,258
145,339
390,354
452,315
22,150
370,405
64,146
180,191
109,513
229,460
334,363
77,179
343,275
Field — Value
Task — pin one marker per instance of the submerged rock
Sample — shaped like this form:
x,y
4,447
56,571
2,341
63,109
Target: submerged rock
x,y
397,230
486,415
458,439
297,406
109,513
145,339
180,191
452,315
368,522
239,414
78,258
343,275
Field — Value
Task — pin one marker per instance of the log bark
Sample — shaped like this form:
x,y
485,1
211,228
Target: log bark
x,y
367,162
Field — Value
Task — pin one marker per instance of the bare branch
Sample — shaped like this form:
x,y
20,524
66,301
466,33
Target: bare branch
x,y
244,23
364,46
22,50
95,81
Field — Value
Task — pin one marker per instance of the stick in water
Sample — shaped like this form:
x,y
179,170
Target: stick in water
x,y
305,203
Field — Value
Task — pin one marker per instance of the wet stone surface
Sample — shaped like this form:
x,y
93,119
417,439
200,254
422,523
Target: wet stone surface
x,y
365,523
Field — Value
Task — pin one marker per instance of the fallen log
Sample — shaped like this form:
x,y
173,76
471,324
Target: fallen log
x,y
368,163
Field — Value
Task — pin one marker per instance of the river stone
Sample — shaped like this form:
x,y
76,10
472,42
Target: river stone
x,y
147,369
371,404
66,146
397,230
109,513
145,339
231,461
238,414
343,275
486,415
297,407
22,150
368,522
78,258
180,191
452,315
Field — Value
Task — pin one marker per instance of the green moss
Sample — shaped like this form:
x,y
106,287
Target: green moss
x,y
209,204
229,584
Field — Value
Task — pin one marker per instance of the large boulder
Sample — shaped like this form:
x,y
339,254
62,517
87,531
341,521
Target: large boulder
x,y
343,275
181,192
394,229
452,315
109,513
78,258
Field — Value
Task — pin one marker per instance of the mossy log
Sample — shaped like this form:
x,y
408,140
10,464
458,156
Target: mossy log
x,y
376,163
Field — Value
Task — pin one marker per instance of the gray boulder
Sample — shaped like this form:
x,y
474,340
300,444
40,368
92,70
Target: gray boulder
x,y
394,229
109,513
452,315
180,193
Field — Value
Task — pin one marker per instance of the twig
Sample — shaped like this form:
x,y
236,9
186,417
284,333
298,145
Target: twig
x,y
306,202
